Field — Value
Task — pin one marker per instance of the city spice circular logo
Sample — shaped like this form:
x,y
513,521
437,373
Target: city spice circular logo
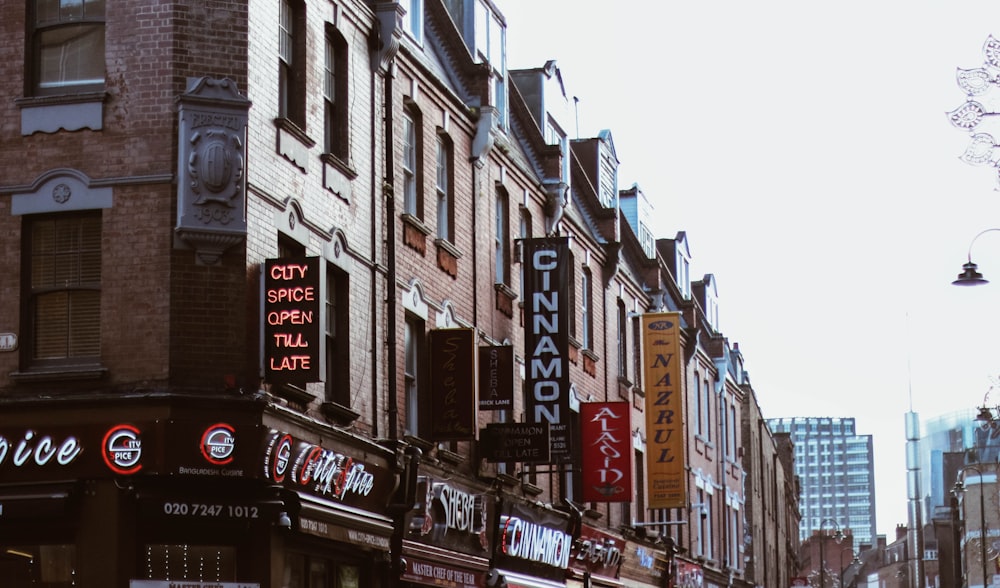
x,y
218,443
282,456
122,449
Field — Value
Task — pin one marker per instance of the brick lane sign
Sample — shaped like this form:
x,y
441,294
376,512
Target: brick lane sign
x,y
294,319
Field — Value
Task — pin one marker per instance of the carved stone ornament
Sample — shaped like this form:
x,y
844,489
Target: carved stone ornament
x,y
211,187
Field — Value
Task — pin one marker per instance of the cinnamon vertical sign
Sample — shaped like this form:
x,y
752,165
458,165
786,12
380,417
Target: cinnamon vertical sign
x,y
662,361
606,448
547,263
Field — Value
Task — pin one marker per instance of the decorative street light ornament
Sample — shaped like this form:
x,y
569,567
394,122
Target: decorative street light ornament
x,y
980,150
968,116
974,81
977,83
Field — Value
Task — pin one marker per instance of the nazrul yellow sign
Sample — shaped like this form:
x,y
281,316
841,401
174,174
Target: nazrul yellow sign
x,y
662,361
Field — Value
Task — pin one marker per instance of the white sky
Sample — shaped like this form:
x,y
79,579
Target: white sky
x,y
804,148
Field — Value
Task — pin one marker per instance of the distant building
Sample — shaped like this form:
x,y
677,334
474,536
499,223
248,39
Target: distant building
x,y
952,433
836,470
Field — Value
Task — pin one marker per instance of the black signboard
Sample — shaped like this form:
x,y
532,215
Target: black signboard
x,y
452,363
547,282
523,442
532,540
294,303
496,377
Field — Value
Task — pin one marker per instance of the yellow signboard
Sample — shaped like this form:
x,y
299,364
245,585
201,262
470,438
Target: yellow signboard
x,y
662,362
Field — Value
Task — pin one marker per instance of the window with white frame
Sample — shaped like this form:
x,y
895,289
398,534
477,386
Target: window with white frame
x,y
67,46
413,20
622,341
338,345
291,62
490,39
411,157
501,238
586,310
413,339
335,80
445,202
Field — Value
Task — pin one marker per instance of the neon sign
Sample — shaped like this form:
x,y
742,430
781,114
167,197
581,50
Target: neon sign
x,y
293,309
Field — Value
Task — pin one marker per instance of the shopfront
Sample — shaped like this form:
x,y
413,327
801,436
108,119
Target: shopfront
x,y
596,559
446,540
532,546
149,495
644,565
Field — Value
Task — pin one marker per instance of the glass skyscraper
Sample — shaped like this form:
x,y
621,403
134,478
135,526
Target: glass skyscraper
x,y
835,466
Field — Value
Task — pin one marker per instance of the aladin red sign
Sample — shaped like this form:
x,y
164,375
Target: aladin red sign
x,y
606,434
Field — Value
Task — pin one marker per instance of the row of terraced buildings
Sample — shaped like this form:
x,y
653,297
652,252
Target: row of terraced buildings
x,y
319,293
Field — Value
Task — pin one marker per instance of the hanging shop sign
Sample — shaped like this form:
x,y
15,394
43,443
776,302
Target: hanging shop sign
x,y
325,472
452,381
665,464
606,447
496,377
516,442
294,319
597,553
546,338
450,517
533,540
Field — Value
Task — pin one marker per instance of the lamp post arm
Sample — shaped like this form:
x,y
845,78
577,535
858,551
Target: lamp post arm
x,y
980,234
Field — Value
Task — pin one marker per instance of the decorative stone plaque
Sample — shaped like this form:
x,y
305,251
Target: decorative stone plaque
x,y
211,168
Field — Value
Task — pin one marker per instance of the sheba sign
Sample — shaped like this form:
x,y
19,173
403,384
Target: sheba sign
x,y
293,320
546,338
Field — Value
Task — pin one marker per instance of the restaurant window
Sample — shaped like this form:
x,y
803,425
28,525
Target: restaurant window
x,y
38,566
63,283
314,571
202,563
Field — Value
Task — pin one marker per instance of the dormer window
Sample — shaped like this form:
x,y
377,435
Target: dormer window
x,y
683,262
413,20
490,38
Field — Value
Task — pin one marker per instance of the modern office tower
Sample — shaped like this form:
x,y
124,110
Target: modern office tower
x,y
836,470
954,433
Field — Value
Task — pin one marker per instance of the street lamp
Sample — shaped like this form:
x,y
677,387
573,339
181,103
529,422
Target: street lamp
x,y
960,488
855,560
837,537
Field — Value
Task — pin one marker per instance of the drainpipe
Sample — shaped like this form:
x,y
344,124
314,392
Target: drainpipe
x,y
384,44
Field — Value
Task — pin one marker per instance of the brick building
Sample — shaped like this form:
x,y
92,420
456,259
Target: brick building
x,y
265,260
